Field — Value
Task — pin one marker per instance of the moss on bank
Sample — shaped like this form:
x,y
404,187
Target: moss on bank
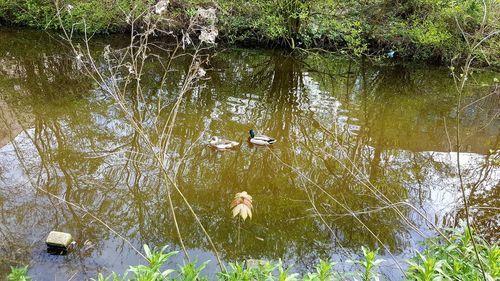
x,y
416,29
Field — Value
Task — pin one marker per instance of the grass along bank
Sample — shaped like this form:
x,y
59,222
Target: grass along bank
x,y
443,258
421,30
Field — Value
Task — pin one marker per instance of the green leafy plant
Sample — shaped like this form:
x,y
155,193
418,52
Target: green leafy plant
x,y
191,272
284,275
112,277
239,272
369,263
18,274
442,259
417,29
156,260
149,272
455,259
323,272
426,269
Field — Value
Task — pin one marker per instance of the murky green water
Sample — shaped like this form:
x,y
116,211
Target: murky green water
x,y
351,137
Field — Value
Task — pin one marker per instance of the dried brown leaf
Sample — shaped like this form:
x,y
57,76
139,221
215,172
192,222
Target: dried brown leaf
x,y
235,202
242,205
248,203
236,210
243,195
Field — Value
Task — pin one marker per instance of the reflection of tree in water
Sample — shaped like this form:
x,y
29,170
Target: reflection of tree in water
x,y
47,91
286,93
423,167
483,197
355,119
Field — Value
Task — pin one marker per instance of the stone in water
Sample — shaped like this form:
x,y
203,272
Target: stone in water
x,y
58,239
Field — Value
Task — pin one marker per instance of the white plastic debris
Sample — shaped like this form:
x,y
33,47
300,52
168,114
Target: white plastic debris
x,y
206,14
208,35
161,7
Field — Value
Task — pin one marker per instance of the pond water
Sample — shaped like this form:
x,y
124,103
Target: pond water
x,y
352,138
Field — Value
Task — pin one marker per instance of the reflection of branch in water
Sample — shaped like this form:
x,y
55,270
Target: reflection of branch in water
x,y
368,184
41,141
353,155
351,158
344,206
125,68
9,124
33,180
363,212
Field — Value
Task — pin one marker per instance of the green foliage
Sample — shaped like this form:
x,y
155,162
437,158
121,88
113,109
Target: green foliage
x,y
151,272
190,271
18,274
416,29
455,260
369,263
443,259
427,269
239,272
284,275
323,272
93,16
156,261
34,13
96,16
354,38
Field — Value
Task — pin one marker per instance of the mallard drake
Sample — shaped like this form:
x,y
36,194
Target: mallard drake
x,y
260,140
222,144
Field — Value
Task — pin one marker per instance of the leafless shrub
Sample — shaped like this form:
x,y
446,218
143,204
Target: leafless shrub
x,y
120,72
